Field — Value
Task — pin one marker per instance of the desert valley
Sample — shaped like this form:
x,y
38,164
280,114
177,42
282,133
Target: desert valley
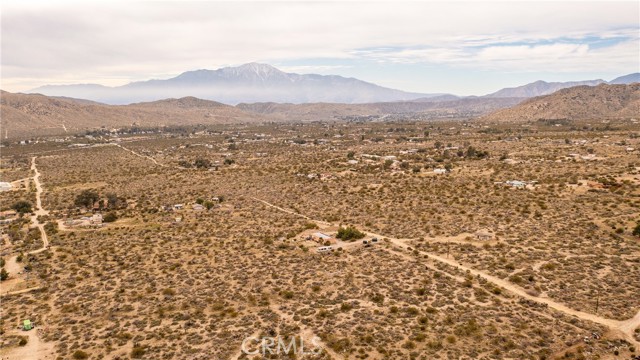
x,y
513,234
319,180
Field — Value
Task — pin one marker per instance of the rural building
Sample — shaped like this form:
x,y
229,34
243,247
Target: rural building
x,y
322,236
484,235
96,219
439,171
516,184
5,186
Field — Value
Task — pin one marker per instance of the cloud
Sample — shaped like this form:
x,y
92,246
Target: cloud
x,y
554,54
111,42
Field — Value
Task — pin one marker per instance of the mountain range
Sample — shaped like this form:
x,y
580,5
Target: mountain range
x,y
30,115
253,82
539,88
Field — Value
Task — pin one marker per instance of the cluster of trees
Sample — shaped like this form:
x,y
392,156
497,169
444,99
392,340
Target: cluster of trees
x,y
88,198
209,204
22,207
350,233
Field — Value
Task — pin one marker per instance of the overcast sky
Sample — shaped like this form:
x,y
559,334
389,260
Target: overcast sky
x,y
455,47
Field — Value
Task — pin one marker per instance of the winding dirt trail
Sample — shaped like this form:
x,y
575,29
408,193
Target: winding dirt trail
x,y
35,349
140,155
623,328
12,266
39,210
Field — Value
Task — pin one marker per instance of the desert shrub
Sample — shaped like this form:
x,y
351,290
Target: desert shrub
x,y
137,352
22,206
168,292
79,355
410,345
110,217
23,341
346,307
310,225
202,163
349,233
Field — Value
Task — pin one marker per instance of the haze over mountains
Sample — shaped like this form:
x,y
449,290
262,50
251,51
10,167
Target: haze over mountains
x,y
255,82
231,85
267,94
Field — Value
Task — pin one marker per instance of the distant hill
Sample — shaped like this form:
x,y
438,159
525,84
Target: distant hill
x,y
540,87
27,115
580,102
460,107
231,85
627,79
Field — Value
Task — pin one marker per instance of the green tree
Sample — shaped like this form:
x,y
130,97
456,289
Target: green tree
x,y
110,217
4,275
471,151
636,230
87,198
113,201
349,233
202,163
22,206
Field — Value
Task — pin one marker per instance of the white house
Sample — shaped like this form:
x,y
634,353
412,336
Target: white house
x,y
5,186
96,219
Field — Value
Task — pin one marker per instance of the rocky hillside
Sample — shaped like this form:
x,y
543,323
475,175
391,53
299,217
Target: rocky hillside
x,y
580,102
26,115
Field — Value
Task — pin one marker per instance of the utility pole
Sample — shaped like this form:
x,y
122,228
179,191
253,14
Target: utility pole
x,y
597,301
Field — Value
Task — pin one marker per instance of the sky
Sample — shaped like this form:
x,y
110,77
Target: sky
x,y
464,48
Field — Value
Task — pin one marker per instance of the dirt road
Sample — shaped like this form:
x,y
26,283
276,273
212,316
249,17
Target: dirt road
x,y
39,210
12,266
140,155
35,349
623,328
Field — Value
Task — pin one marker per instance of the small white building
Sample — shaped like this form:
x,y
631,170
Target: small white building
x,y
96,219
439,171
322,236
516,184
5,186
484,235
322,249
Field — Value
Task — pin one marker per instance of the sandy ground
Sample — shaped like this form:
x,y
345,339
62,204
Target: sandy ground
x,y
34,350
624,328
